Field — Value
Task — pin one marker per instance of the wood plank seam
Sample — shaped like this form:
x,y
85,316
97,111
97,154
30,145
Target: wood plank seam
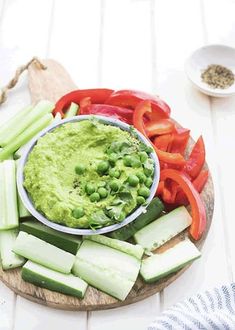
x,y
217,164
221,197
50,28
153,45
101,43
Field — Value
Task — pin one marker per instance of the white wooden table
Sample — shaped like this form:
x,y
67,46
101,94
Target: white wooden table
x,y
138,44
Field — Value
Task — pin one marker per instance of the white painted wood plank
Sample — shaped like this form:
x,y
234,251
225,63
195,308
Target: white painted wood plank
x,y
223,114
39,317
177,37
219,21
25,28
136,316
7,303
127,60
75,39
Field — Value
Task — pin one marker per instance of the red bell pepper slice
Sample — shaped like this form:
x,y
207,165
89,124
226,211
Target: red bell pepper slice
x,y
196,159
198,183
170,158
162,126
179,141
162,142
138,115
197,207
98,95
84,105
122,114
131,98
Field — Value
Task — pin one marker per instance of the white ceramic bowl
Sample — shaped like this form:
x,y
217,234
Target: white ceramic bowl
x,y
79,231
205,56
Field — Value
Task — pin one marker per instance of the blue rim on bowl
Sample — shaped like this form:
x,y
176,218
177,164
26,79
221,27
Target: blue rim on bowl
x,y
80,231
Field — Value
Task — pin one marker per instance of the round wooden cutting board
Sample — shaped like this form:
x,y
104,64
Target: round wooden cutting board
x,y
51,84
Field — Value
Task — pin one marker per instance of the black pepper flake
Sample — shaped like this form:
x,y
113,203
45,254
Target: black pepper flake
x,y
218,76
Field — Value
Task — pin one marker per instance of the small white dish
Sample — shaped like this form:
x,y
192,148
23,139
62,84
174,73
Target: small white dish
x,y
205,56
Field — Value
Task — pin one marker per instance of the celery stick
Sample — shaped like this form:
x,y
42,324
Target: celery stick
x,y
26,136
8,258
72,111
41,109
23,212
22,149
12,123
57,118
8,196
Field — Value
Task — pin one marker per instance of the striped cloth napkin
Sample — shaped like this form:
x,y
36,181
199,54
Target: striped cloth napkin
x,y
212,310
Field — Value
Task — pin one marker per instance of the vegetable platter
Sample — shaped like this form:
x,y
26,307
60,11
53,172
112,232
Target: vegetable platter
x,y
171,239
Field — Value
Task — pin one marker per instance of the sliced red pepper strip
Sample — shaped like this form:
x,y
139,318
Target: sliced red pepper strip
x,y
197,207
179,141
198,183
162,141
84,105
131,98
169,158
98,95
139,112
196,159
160,188
122,114
138,116
162,126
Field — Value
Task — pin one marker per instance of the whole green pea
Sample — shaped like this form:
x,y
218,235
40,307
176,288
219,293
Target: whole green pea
x,y
148,182
144,191
90,188
140,200
133,180
102,167
114,173
95,197
135,162
113,158
127,160
141,176
102,192
80,169
143,156
78,212
114,185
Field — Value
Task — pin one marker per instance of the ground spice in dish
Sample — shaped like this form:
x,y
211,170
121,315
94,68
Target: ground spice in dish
x,y
218,76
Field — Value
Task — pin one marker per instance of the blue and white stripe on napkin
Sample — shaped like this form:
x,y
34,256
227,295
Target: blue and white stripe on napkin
x,y
211,310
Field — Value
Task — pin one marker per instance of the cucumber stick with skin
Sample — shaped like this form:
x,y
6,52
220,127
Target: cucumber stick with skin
x,y
66,242
11,124
107,269
8,196
163,229
22,149
52,280
25,136
109,258
43,253
8,258
105,280
41,108
23,212
153,211
131,249
72,111
160,265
